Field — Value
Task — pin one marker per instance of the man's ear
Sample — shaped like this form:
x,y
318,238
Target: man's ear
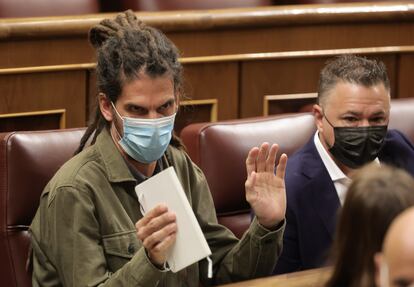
x,y
378,261
318,115
106,107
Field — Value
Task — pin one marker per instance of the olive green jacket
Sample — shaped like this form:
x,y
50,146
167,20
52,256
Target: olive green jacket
x,y
84,232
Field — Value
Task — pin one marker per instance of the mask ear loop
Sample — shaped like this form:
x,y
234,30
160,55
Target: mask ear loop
x,y
116,111
326,118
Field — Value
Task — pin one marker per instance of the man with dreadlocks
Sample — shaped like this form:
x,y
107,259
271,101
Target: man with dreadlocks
x,y
89,231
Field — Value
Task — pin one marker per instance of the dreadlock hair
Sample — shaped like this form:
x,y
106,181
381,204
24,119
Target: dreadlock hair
x,y
125,47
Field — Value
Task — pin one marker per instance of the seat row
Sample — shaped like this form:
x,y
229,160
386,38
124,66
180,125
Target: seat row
x,y
29,159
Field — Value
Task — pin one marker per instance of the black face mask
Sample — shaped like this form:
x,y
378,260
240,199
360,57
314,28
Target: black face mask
x,y
356,146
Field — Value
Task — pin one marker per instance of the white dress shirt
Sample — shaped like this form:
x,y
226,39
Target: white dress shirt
x,y
339,179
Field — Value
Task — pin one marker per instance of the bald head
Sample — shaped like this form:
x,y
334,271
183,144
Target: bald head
x,y
397,258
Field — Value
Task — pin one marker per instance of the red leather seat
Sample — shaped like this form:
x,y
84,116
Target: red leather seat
x,y
402,116
28,160
220,150
35,8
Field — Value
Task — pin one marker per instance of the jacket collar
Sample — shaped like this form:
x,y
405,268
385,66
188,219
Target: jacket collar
x,y
322,193
115,165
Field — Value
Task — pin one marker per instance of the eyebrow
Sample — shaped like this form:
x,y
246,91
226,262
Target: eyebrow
x,y
169,101
380,113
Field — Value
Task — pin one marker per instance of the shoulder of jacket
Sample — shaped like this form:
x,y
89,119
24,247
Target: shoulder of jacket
x,y
73,172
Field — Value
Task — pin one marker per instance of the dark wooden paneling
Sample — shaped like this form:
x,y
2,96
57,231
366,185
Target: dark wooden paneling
x,y
214,81
45,91
288,76
63,40
192,114
293,38
291,106
273,77
45,51
63,50
238,83
31,123
406,76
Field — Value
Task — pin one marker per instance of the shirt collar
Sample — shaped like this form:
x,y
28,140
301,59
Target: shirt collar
x,y
140,177
334,171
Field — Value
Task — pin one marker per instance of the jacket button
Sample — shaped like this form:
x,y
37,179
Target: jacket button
x,y
131,248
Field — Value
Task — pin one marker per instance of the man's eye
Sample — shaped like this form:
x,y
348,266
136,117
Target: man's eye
x,y
351,119
165,106
377,120
136,110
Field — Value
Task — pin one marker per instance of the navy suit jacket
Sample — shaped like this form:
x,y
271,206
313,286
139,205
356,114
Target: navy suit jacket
x,y
312,202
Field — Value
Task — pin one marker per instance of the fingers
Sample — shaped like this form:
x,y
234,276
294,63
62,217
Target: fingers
x,y
157,231
157,239
261,158
251,179
163,246
251,193
251,161
156,220
281,167
155,212
271,159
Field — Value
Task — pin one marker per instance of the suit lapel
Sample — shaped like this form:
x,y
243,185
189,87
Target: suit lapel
x,y
322,193
325,201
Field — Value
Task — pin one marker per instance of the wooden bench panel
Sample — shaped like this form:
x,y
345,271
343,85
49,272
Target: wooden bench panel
x,y
238,83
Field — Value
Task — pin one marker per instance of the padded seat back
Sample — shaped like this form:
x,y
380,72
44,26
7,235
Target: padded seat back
x,y
402,116
28,160
220,150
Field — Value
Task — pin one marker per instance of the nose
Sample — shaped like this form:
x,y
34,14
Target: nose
x,y
153,115
364,123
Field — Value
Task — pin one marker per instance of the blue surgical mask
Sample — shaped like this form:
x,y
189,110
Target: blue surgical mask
x,y
146,140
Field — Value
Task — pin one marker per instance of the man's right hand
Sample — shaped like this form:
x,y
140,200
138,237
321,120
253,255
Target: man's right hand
x,y
157,231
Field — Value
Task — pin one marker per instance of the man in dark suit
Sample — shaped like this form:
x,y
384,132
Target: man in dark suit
x,y
351,116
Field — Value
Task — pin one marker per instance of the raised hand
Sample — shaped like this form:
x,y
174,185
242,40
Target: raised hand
x,y
265,189
157,230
